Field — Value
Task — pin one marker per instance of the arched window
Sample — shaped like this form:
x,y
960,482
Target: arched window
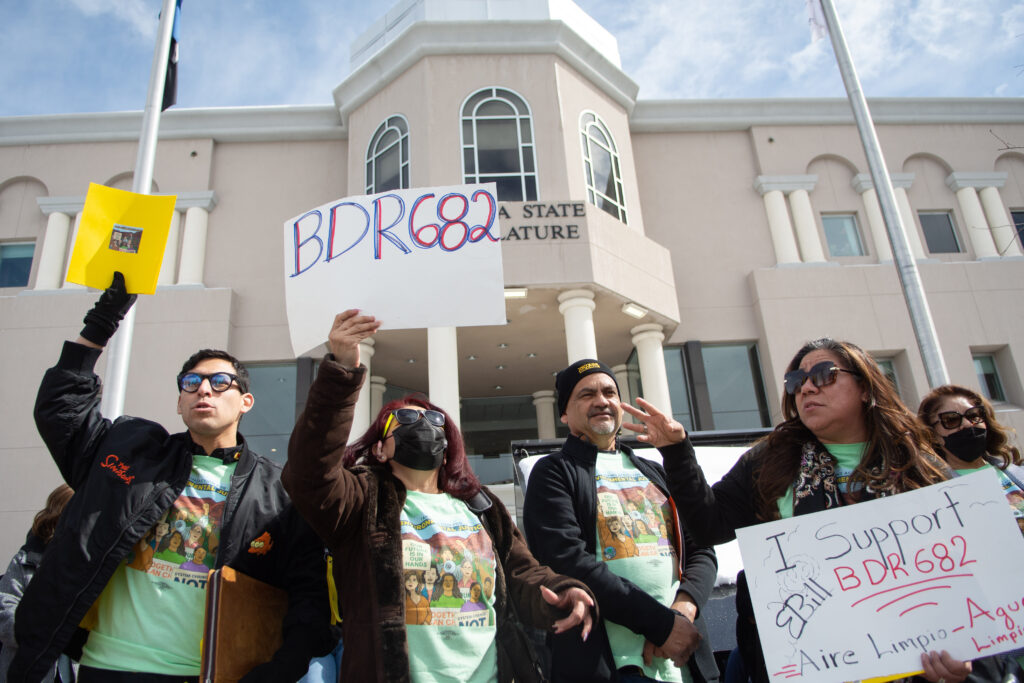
x,y
601,166
497,144
387,157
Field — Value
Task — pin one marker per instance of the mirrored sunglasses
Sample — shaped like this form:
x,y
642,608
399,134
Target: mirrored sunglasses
x,y
821,375
219,381
951,419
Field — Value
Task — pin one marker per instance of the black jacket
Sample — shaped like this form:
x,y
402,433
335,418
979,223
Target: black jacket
x,y
560,520
126,475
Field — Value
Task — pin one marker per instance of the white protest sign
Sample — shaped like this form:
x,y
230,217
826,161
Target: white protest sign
x,y
426,257
863,590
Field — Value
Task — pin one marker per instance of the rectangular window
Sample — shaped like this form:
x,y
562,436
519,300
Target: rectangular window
x,y
842,235
269,424
15,264
988,377
734,386
889,370
678,385
939,233
1018,224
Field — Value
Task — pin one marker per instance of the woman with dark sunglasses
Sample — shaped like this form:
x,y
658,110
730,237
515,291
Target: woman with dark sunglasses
x,y
970,438
390,502
845,438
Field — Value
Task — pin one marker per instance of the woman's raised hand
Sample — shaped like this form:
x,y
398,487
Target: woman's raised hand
x,y
348,330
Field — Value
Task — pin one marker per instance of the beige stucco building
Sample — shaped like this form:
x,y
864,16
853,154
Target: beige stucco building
x,y
694,245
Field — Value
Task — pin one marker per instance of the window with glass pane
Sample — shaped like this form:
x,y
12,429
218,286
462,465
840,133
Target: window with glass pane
x,y
387,157
15,264
601,166
1018,224
939,233
269,424
842,235
497,144
678,385
889,370
988,377
734,386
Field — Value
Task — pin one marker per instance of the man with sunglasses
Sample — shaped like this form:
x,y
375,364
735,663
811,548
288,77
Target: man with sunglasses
x,y
224,503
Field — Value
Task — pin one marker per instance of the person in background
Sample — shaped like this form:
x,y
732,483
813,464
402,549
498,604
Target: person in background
x,y
398,498
20,571
845,438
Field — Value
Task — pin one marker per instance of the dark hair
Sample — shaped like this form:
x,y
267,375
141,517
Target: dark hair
x,y
45,521
165,543
205,354
455,477
898,455
997,442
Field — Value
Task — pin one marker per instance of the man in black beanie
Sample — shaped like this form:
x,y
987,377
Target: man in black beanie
x,y
598,512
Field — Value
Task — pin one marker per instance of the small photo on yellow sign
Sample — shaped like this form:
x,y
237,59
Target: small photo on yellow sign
x,y
123,231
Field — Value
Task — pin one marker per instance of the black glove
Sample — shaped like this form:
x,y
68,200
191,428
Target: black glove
x,y
101,322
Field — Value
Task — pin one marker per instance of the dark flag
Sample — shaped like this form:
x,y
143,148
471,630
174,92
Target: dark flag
x,y
171,79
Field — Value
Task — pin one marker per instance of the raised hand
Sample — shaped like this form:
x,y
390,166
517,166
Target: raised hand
x,y
348,330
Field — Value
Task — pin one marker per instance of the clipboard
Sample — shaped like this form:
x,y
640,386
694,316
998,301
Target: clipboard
x,y
242,627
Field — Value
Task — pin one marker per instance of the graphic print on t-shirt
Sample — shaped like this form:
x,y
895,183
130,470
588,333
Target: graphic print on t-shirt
x,y
183,545
448,569
631,514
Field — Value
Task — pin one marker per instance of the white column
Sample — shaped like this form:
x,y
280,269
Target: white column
x,y
64,284
773,190
621,373
443,370
577,307
647,340
362,416
907,214
976,225
193,247
876,222
1003,232
781,231
169,266
806,227
378,385
51,254
544,403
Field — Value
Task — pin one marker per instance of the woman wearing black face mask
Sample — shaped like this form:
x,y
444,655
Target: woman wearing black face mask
x,y
971,438
402,497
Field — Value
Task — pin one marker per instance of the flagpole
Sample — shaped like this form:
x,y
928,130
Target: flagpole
x,y
906,267
120,347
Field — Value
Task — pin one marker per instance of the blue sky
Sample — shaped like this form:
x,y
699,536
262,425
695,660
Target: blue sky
x,y
63,56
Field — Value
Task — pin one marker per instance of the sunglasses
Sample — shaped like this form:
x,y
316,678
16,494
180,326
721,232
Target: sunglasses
x,y
219,381
821,375
408,416
952,419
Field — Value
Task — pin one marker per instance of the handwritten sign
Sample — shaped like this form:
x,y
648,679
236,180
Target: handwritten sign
x,y
124,231
862,591
413,258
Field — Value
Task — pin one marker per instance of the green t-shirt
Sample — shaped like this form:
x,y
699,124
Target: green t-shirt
x,y
636,541
1014,495
847,457
150,614
448,573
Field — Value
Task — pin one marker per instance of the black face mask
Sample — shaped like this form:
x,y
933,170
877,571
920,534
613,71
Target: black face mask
x,y
967,444
419,446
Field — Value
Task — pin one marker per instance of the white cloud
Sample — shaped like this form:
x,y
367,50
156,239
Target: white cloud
x,y
140,15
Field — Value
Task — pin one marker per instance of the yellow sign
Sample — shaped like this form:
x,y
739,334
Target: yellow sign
x,y
121,231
